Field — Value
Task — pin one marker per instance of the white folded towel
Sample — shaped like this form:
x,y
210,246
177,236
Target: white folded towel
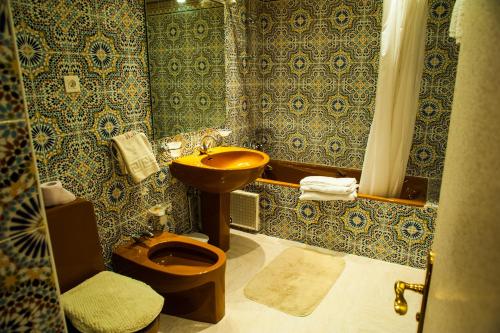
x,y
320,196
322,180
323,188
55,194
330,189
135,155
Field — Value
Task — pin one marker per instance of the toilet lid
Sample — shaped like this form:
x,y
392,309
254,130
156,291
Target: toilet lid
x,y
110,302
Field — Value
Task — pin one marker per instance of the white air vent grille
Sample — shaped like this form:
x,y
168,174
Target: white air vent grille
x,y
245,210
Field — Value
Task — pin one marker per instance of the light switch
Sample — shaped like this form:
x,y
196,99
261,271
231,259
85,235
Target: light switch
x,y
72,84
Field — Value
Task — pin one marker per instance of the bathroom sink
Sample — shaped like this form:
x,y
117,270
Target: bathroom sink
x,y
216,173
221,169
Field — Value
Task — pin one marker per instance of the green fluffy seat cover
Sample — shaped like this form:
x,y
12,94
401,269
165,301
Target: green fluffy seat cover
x,y
110,302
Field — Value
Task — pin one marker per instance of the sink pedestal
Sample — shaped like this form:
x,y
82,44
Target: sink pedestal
x,y
216,173
215,218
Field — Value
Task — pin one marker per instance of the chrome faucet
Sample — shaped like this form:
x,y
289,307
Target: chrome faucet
x,y
255,145
207,142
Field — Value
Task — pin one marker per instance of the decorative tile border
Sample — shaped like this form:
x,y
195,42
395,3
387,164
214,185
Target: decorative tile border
x,y
16,161
28,290
11,100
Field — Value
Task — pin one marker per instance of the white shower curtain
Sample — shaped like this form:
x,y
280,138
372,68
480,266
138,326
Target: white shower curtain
x,y
400,73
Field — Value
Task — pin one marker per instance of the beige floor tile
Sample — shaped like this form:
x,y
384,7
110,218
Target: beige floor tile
x,y
360,301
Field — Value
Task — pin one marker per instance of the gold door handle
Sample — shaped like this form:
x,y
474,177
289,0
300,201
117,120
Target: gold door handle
x,y
400,304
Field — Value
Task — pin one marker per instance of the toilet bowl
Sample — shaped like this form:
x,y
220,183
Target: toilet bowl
x,y
189,274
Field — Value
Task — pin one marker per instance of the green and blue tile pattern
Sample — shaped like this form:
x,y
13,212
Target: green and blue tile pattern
x,y
104,43
186,66
300,76
319,68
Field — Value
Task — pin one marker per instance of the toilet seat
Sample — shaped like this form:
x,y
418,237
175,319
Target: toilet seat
x,y
144,253
189,274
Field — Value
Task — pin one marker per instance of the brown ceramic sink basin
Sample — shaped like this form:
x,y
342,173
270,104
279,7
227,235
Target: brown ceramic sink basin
x,y
221,170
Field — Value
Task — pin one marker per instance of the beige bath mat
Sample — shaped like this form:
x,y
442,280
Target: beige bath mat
x,y
296,281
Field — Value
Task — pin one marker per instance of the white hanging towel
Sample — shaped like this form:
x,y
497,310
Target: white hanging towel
x,y
134,155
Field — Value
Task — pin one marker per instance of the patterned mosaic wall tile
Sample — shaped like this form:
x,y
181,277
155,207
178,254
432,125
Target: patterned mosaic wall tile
x,y
436,94
319,64
104,43
384,231
242,79
244,84
319,67
186,67
28,290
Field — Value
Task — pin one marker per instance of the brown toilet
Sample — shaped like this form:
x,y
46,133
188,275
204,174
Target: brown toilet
x,y
189,274
76,249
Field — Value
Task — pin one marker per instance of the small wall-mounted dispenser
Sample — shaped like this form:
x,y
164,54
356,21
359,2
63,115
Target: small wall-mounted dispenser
x,y
159,215
173,148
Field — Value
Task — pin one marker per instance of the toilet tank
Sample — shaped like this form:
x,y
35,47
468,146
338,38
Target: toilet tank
x,y
75,242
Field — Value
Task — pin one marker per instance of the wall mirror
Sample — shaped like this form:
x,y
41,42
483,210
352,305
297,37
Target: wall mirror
x,y
186,65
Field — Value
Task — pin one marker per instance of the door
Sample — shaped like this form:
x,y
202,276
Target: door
x,y
464,293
